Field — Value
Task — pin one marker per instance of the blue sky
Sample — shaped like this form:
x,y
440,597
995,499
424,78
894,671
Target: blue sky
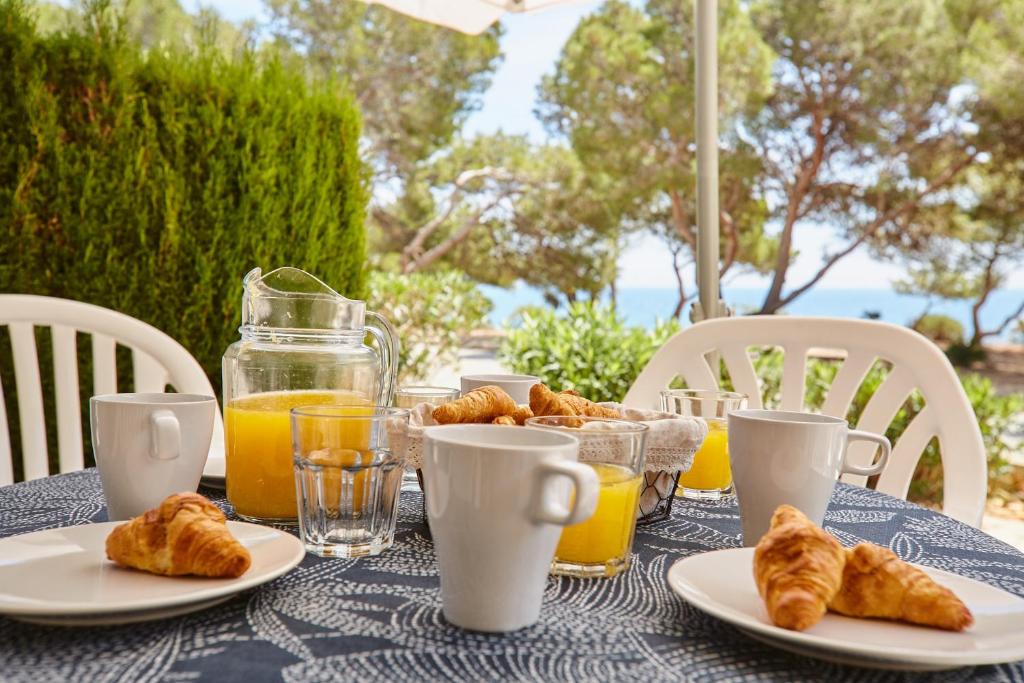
x,y
531,45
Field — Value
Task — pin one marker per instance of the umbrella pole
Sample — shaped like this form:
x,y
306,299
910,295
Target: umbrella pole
x,y
709,304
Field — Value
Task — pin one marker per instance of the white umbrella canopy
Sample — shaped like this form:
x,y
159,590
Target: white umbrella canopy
x,y
474,16
467,16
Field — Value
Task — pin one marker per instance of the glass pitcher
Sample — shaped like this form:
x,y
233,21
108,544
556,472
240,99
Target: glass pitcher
x,y
302,344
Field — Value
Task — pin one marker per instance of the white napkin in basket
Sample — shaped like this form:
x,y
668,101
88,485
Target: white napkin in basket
x,y
671,440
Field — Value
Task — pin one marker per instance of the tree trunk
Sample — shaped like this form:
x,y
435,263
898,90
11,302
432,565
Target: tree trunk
x,y
732,242
808,172
679,220
976,334
989,283
773,299
680,285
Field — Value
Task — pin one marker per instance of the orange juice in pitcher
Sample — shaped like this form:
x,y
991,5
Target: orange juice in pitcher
x,y
259,458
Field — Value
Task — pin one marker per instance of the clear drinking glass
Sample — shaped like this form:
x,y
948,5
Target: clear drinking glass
x,y
347,479
410,397
710,477
615,449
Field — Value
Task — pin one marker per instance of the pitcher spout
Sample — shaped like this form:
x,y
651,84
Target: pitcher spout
x,y
290,299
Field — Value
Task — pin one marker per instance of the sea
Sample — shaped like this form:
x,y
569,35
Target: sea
x,y
645,306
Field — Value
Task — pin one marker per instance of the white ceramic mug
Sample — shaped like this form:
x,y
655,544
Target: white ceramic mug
x,y
148,446
516,386
789,457
497,499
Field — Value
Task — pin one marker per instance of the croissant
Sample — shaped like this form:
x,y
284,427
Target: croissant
x,y
798,568
522,414
187,534
518,417
877,583
543,401
480,405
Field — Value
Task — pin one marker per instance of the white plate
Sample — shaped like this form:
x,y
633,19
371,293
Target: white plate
x,y
213,472
62,576
721,583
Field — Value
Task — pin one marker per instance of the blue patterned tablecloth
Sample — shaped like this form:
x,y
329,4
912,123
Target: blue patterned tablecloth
x,y
380,618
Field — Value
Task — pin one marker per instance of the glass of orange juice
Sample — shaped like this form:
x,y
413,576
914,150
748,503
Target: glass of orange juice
x,y
601,545
346,477
710,476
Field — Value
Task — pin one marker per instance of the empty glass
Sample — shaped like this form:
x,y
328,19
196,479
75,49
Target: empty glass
x,y
601,545
410,397
346,478
710,476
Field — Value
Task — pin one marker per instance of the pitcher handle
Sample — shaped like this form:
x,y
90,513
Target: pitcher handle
x,y
387,340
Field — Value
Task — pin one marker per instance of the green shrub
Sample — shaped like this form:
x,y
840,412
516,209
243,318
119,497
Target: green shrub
x,y
150,183
966,355
589,349
996,415
940,328
433,313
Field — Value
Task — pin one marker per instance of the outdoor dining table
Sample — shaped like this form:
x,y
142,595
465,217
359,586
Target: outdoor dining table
x,y
379,618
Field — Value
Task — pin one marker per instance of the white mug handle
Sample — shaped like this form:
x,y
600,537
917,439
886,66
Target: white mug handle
x,y
165,431
858,435
547,510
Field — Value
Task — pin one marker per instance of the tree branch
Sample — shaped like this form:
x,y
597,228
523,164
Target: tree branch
x,y
808,171
680,285
414,250
446,245
824,269
872,227
1016,315
679,219
986,289
732,244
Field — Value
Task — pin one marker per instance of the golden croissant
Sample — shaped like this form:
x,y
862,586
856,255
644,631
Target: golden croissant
x,y
186,534
522,414
543,401
480,405
798,568
877,583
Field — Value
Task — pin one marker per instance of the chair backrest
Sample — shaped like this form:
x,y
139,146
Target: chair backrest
x,y
916,364
157,361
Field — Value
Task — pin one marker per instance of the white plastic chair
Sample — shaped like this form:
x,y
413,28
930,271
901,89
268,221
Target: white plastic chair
x,y
157,360
916,364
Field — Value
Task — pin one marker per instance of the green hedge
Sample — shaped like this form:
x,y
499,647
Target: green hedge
x,y
150,183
